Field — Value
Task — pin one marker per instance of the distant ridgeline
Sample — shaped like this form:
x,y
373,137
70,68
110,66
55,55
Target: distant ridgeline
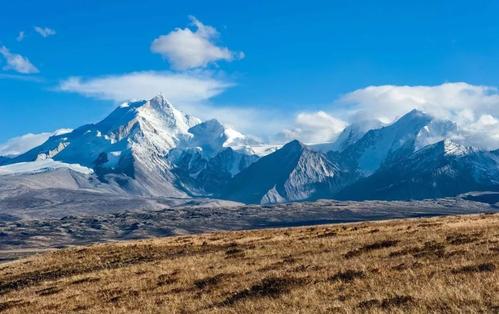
x,y
150,148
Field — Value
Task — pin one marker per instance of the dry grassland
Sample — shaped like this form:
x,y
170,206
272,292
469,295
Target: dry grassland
x,y
446,265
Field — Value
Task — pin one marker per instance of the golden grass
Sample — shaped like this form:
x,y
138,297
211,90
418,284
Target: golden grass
x,y
421,265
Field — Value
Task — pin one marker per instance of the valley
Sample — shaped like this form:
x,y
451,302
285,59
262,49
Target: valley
x,y
83,220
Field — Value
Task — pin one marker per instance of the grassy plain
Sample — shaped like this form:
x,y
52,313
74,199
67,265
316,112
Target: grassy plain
x,y
445,264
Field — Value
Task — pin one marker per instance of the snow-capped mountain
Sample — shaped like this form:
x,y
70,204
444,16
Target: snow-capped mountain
x,y
210,156
151,148
437,170
435,131
211,137
350,135
363,150
291,173
140,146
383,145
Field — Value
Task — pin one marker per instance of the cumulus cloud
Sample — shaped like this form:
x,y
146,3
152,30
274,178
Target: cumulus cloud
x,y
21,144
474,109
16,62
182,88
313,127
187,49
44,31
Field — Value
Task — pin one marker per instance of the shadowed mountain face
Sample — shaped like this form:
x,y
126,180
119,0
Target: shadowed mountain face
x,y
151,149
292,173
438,170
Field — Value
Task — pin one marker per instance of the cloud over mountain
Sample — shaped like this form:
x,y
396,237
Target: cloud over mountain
x,y
474,108
21,144
179,88
313,127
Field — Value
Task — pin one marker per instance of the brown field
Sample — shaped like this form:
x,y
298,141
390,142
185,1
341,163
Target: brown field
x,y
446,265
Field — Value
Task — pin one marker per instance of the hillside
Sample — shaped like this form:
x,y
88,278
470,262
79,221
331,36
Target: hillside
x,y
417,265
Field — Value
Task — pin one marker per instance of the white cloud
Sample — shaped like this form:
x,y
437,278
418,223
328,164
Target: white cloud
x,y
189,92
21,144
187,49
44,31
20,36
182,88
17,62
313,127
475,109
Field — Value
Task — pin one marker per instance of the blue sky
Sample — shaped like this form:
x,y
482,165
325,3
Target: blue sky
x,y
300,57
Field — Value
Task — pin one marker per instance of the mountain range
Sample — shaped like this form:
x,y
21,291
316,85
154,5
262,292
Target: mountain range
x,y
150,148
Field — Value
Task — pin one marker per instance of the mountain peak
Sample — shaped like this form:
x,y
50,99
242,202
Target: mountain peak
x,y
294,145
160,98
452,148
416,112
445,147
413,115
212,124
158,102
161,102
156,115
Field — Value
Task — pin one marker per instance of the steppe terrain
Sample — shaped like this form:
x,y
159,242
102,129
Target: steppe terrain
x,y
444,264
74,222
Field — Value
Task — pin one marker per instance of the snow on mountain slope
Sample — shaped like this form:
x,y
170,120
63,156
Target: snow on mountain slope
x,y
291,173
142,144
382,145
133,140
39,166
438,170
220,169
211,137
156,121
352,133
435,131
150,148
260,149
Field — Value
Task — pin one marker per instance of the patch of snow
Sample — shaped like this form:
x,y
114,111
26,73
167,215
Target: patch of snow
x,y
259,150
453,149
40,166
62,131
272,197
434,132
234,138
